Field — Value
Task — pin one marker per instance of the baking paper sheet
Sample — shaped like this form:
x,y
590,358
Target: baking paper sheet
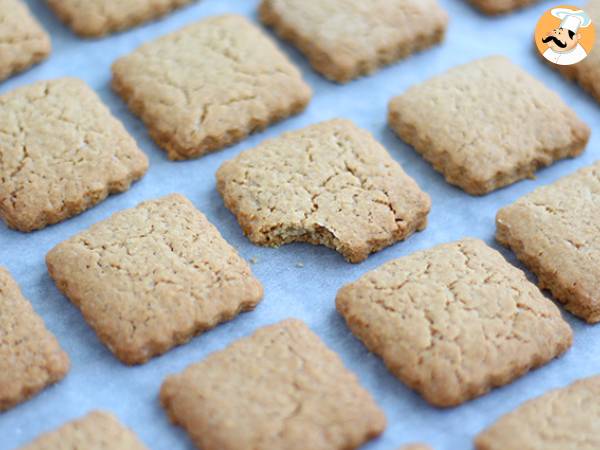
x,y
99,380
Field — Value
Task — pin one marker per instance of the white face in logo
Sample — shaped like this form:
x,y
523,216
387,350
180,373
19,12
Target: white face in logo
x,y
561,40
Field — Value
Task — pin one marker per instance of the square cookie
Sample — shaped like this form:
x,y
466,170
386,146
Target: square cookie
x,y
209,85
331,184
587,72
487,124
100,17
280,388
501,6
61,152
152,277
561,419
24,41
555,231
454,321
97,430
30,356
344,39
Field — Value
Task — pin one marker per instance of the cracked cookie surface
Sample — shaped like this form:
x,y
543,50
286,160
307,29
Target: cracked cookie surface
x,y
561,419
23,41
61,152
97,430
486,124
501,6
454,321
331,184
555,231
279,388
152,277
100,17
344,39
30,356
209,85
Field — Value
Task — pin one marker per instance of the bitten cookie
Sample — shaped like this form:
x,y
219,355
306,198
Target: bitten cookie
x,y
344,39
501,6
100,17
331,184
209,85
586,72
24,41
561,419
279,388
555,231
152,277
454,321
61,152
487,124
95,431
30,357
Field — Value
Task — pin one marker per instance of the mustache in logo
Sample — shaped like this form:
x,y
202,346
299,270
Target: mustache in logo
x,y
555,40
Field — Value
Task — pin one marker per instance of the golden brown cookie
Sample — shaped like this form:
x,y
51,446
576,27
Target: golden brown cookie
x,y
61,152
209,85
561,419
30,357
279,388
587,72
95,431
487,124
331,184
152,277
344,39
555,231
100,17
454,321
493,7
24,41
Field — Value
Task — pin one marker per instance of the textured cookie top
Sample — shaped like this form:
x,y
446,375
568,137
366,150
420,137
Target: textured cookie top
x,y
209,84
345,38
331,183
61,151
555,230
30,356
454,321
95,431
558,420
487,124
279,388
99,17
151,277
24,41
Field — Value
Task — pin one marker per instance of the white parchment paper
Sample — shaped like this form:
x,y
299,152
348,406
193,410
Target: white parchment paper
x,y
98,380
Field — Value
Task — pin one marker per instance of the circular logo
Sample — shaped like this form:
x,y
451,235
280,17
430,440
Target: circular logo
x,y
565,35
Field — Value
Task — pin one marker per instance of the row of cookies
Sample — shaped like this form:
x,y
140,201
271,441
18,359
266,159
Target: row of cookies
x,y
243,82
451,322
562,418
330,183
341,39
29,43
335,186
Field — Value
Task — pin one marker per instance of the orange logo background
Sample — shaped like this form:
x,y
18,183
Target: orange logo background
x,y
548,22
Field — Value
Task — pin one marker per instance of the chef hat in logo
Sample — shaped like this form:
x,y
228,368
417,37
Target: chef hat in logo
x,y
572,20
